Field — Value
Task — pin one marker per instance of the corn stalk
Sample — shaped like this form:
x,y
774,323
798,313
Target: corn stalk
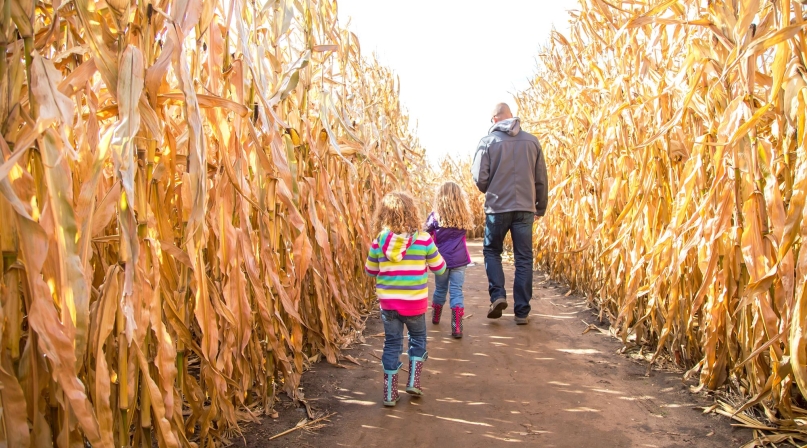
x,y
675,144
186,194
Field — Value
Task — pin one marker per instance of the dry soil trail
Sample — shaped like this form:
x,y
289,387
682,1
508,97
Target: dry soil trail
x,y
544,384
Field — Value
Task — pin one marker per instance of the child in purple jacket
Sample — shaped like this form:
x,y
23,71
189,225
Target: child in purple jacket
x,y
447,225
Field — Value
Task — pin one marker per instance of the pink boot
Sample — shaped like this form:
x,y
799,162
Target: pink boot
x,y
437,311
456,321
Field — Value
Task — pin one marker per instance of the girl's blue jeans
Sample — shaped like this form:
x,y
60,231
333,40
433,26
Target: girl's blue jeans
x,y
393,337
449,283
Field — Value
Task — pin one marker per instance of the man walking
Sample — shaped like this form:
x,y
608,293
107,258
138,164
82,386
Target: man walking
x,y
509,168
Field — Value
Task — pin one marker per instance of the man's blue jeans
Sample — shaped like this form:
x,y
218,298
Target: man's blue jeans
x,y
519,224
450,282
393,337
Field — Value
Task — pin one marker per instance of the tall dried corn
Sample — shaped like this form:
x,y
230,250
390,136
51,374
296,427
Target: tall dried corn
x,y
674,135
186,189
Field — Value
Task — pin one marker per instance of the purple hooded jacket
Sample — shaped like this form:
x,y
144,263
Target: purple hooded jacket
x,y
450,243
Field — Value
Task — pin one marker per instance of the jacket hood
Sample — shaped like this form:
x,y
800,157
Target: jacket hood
x,y
395,245
512,126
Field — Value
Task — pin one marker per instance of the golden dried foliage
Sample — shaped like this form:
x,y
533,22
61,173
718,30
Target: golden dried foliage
x,y
674,136
186,195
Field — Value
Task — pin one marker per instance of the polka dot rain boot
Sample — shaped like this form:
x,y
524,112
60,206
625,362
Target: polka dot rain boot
x,y
437,311
456,321
415,370
391,387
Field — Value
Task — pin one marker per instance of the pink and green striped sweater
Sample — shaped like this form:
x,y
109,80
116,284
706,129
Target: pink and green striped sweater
x,y
399,264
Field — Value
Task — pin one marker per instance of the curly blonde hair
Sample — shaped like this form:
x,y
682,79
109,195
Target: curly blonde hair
x,y
397,212
452,207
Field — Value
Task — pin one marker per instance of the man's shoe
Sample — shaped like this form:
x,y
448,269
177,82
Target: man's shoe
x,y
521,320
496,308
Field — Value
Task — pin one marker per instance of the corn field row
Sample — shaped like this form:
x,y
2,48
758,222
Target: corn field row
x,y
187,189
675,145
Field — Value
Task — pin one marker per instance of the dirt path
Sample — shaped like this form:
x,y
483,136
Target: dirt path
x,y
544,384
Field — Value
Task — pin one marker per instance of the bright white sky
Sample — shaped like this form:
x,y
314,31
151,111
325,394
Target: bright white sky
x,y
456,59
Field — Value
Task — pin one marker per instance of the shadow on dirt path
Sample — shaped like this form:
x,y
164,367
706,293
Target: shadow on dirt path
x,y
544,384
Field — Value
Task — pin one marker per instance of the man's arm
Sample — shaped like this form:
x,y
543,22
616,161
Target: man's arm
x,y
541,190
481,167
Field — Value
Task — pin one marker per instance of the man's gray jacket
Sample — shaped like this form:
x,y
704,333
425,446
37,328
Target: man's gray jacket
x,y
509,168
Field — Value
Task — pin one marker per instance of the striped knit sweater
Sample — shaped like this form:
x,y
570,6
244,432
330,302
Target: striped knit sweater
x,y
399,264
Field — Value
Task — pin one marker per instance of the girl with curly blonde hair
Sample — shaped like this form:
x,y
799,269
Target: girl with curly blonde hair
x,y
398,259
448,225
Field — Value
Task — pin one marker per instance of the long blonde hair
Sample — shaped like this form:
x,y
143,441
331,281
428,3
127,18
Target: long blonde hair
x,y
397,212
452,207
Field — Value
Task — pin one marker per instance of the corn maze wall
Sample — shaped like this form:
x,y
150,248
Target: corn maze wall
x,y
674,136
187,188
